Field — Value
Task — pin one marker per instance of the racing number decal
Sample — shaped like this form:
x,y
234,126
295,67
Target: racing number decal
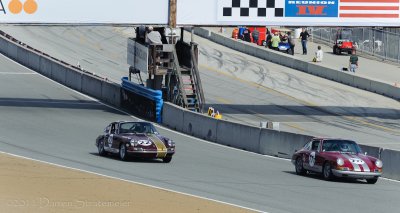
x,y
110,140
311,159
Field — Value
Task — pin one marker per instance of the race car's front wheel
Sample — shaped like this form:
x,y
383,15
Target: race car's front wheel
x,y
299,167
327,171
167,159
372,181
100,147
122,152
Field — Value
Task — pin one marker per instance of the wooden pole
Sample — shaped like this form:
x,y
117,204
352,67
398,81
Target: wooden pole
x,y
172,13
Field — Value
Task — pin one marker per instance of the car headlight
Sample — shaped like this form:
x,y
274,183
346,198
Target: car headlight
x,y
378,163
340,161
134,142
171,143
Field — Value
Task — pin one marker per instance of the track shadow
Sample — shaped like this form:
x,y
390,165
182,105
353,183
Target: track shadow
x,y
55,103
130,159
316,176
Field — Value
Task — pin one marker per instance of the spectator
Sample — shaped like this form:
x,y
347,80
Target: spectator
x,y
353,62
256,35
291,42
246,35
304,37
268,39
275,41
319,55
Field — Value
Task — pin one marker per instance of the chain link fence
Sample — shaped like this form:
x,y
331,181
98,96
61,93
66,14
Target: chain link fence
x,y
376,42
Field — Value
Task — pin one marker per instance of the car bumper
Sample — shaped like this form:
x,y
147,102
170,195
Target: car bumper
x,y
352,174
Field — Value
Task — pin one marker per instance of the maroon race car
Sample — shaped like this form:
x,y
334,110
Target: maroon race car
x,y
136,139
337,158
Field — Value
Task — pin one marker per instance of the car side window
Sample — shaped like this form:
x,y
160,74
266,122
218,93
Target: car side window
x,y
113,126
307,146
315,145
107,129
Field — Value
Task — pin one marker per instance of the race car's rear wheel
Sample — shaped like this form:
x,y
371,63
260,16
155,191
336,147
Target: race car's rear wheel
x,y
100,147
327,171
299,167
372,181
167,159
122,152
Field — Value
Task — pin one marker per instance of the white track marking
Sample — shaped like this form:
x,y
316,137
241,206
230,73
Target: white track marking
x,y
129,181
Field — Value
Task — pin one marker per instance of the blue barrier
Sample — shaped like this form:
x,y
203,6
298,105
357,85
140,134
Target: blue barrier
x,y
153,95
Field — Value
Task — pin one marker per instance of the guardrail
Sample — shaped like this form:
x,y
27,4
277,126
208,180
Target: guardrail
x,y
258,140
349,79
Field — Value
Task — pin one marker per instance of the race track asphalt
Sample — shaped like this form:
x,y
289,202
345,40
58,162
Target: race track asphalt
x,y
44,120
241,87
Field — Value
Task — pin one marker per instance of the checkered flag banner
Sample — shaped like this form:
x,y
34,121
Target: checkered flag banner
x,y
231,10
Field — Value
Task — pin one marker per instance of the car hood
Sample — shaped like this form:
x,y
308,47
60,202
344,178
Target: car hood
x,y
144,139
359,162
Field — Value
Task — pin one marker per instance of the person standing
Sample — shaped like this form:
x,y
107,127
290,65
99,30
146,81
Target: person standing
x,y
256,35
291,42
353,62
304,37
319,55
275,41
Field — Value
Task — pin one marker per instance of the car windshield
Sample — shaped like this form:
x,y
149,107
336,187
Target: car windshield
x,y
137,127
340,146
345,35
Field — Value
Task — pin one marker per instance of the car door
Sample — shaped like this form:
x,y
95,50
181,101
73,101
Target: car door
x,y
311,156
109,137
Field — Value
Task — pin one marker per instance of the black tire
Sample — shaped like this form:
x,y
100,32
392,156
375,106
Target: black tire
x,y
327,171
100,148
167,159
372,181
334,50
299,167
338,52
349,52
122,152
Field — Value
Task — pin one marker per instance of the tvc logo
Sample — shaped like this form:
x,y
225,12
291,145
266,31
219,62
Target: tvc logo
x,y
310,10
16,6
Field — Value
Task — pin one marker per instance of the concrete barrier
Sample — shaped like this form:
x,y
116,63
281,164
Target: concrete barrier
x,y
58,72
281,144
3,46
391,168
300,65
238,135
261,53
200,126
92,86
22,57
33,61
380,87
45,66
172,116
362,83
73,79
12,51
371,150
346,78
393,92
111,93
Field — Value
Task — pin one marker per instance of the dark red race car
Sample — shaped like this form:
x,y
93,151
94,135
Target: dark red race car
x,y
135,139
337,158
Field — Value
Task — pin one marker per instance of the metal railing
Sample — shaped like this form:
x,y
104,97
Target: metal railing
x,y
372,41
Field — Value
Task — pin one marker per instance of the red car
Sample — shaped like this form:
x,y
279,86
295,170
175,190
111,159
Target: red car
x,y
337,158
343,41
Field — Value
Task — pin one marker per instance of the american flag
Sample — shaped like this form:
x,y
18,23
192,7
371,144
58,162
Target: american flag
x,y
369,8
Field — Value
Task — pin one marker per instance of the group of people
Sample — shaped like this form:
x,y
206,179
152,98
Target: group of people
x,y
273,40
